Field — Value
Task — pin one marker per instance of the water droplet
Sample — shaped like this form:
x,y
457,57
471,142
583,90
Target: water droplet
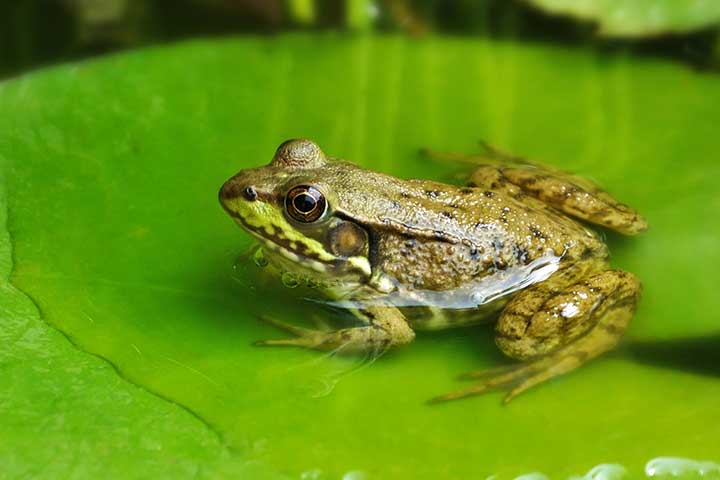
x,y
570,310
314,474
604,471
259,258
354,475
289,280
674,467
533,476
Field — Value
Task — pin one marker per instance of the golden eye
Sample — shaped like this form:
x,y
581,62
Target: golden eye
x,y
305,203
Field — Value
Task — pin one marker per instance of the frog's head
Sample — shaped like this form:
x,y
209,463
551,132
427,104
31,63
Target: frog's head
x,y
290,207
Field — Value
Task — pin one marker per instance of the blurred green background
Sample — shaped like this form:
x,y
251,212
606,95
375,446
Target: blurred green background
x,y
39,32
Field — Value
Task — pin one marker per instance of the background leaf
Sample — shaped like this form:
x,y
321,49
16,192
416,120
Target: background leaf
x,y
67,414
638,18
112,170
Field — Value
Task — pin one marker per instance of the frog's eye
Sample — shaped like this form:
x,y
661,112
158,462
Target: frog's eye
x,y
305,203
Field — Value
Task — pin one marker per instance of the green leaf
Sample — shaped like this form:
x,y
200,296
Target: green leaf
x,y
638,18
67,414
112,169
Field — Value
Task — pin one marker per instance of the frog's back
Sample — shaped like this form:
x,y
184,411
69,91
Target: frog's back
x,y
446,236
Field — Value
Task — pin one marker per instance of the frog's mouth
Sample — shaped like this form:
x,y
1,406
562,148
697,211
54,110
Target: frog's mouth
x,y
277,244
292,250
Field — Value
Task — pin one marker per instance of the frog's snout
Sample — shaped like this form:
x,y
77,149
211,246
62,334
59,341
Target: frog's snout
x,y
230,190
233,189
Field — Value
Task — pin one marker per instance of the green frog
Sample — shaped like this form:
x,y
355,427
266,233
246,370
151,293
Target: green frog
x,y
407,255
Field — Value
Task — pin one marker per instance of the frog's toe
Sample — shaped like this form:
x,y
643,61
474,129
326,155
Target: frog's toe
x,y
520,377
458,394
496,382
490,372
516,377
304,337
305,342
523,386
545,369
294,329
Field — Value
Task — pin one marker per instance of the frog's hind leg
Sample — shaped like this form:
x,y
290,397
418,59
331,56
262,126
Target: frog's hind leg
x,y
579,197
557,330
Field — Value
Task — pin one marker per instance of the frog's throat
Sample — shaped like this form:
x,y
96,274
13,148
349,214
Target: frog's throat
x,y
274,232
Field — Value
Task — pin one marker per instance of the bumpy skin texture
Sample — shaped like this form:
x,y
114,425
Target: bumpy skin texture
x,y
381,235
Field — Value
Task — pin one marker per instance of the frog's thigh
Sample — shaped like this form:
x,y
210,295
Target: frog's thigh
x,y
556,331
386,327
576,197
539,321
571,327
498,170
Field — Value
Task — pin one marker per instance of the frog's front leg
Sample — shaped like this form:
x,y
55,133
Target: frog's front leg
x,y
556,330
383,327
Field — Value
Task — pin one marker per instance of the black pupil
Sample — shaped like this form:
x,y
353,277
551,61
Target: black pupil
x,y
304,203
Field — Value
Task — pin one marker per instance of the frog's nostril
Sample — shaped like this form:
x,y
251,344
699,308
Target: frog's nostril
x,y
250,193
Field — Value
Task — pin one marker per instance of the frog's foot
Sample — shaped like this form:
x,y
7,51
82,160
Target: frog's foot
x,y
493,379
517,377
504,377
319,339
386,327
557,330
301,334
490,372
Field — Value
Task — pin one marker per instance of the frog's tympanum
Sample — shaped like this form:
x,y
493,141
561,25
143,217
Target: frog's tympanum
x,y
407,255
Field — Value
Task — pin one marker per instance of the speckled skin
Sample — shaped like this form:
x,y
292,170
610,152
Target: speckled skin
x,y
422,236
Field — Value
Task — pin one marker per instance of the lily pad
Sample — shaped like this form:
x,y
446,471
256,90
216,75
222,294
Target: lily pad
x,y
141,354
638,18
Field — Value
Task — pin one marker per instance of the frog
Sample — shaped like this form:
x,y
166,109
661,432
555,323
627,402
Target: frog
x,y
512,246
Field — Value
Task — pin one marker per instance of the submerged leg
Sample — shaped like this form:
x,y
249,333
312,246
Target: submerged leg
x,y
385,327
556,331
570,194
